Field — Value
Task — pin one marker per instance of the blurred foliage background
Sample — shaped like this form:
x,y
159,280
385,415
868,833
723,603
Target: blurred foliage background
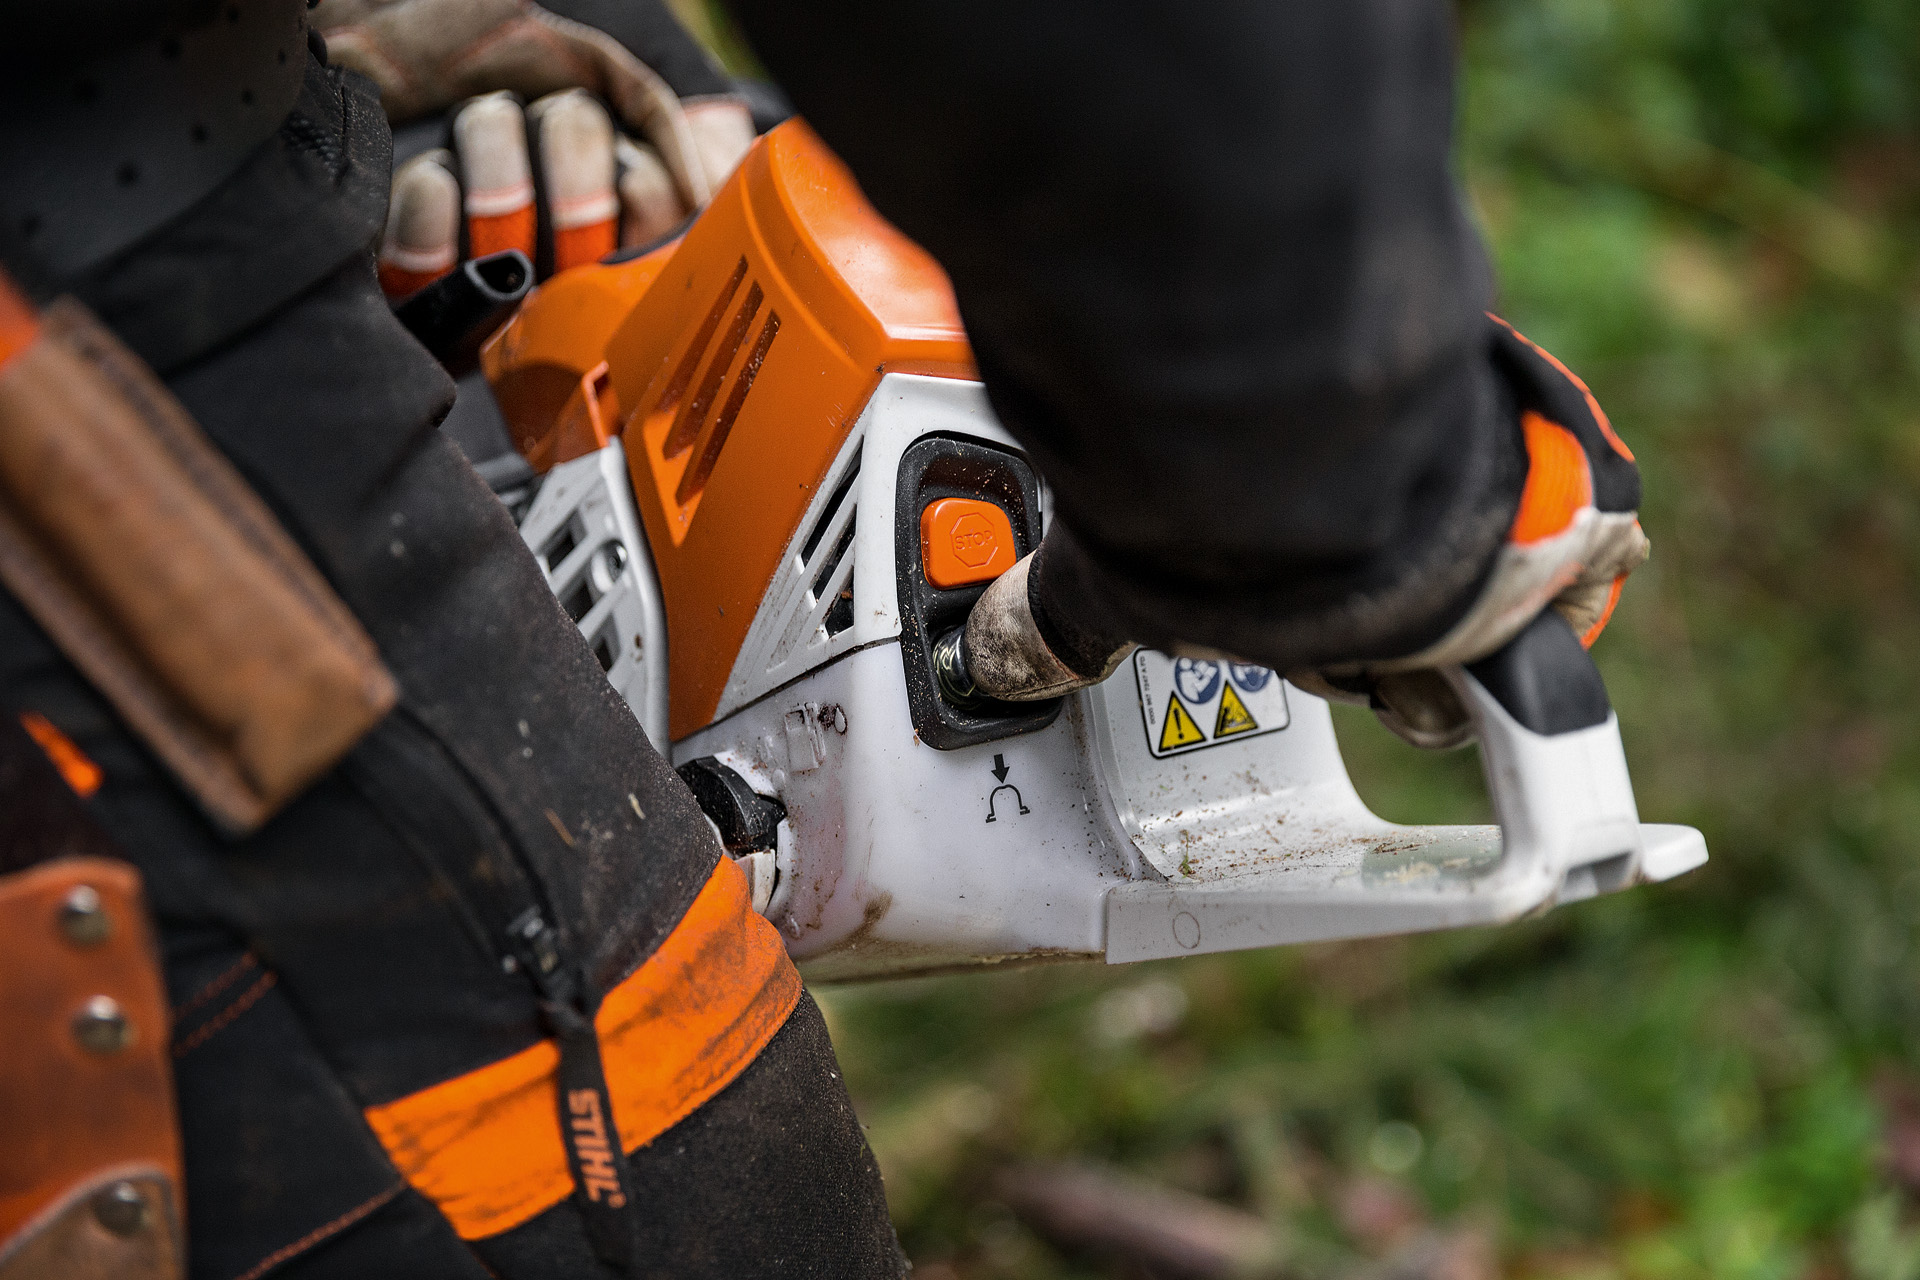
x,y
1709,209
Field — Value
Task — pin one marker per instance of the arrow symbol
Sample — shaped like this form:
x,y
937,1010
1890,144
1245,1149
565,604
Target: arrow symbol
x,y
1000,769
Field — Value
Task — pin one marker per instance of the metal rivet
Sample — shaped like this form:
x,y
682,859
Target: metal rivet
x,y
84,918
121,1209
102,1027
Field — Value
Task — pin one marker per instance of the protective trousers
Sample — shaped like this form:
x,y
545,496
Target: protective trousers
x,y
368,1042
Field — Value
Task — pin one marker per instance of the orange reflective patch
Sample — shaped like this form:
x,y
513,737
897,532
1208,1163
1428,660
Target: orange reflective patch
x,y
578,246
497,232
486,1146
399,282
80,773
19,325
1559,481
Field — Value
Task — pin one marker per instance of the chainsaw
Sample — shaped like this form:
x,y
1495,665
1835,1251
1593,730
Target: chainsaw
x,y
762,476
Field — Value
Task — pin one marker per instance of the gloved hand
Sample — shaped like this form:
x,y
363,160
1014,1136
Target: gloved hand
x,y
1573,541
1572,544
599,187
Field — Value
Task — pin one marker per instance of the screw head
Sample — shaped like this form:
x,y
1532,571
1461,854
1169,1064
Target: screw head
x,y
121,1209
101,1026
83,917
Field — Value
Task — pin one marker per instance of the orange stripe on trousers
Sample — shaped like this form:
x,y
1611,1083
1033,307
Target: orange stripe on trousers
x,y
486,1146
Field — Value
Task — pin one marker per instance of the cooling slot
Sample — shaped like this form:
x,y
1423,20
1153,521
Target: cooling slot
x,y
693,412
690,362
840,616
837,615
578,601
605,648
840,492
824,582
694,478
560,546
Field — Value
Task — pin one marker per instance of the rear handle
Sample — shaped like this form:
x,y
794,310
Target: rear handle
x,y
455,314
1555,767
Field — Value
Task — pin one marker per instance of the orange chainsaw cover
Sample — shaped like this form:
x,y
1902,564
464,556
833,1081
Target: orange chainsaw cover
x,y
732,365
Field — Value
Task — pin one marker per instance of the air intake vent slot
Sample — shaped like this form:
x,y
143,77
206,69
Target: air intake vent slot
x,y
840,492
839,615
580,601
696,431
606,647
694,478
690,362
826,570
586,538
693,414
560,546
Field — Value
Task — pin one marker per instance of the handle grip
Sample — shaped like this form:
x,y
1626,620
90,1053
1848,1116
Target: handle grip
x,y
455,314
1555,767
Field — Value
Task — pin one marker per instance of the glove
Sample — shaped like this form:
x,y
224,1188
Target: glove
x,y
1574,540
599,187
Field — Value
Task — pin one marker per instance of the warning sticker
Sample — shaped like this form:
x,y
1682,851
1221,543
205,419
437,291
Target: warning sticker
x,y
1234,716
1179,730
1181,697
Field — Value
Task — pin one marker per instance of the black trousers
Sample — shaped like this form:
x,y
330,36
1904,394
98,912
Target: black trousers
x,y
349,952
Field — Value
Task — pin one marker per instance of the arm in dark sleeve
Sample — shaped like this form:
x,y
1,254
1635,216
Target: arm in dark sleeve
x,y
1219,282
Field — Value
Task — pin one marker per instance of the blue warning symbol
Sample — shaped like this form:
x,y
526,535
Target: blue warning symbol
x,y
1249,677
1196,678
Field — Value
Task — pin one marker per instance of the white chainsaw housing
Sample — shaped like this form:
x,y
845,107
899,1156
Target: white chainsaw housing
x,y
1093,837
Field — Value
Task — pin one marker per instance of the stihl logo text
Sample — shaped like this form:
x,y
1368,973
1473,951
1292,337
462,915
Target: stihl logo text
x,y
588,1134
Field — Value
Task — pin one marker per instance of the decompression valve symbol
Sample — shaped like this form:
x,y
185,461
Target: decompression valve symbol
x,y
1000,772
1016,799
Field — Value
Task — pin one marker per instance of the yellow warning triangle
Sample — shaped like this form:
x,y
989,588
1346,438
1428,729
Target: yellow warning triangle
x,y
1180,730
1234,716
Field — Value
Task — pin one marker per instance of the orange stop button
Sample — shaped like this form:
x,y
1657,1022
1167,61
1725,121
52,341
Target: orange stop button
x,y
965,540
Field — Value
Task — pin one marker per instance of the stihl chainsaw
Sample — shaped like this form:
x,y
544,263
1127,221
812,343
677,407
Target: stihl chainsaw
x,y
767,480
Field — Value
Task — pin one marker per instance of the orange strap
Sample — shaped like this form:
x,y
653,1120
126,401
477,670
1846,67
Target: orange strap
x,y
1559,481
486,1146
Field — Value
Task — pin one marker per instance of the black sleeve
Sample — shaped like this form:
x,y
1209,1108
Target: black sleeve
x,y
1219,282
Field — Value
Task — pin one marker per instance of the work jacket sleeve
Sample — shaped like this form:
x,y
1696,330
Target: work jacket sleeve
x,y
1219,282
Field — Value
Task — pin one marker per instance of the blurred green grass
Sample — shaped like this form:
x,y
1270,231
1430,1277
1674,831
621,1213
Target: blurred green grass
x,y
1709,209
